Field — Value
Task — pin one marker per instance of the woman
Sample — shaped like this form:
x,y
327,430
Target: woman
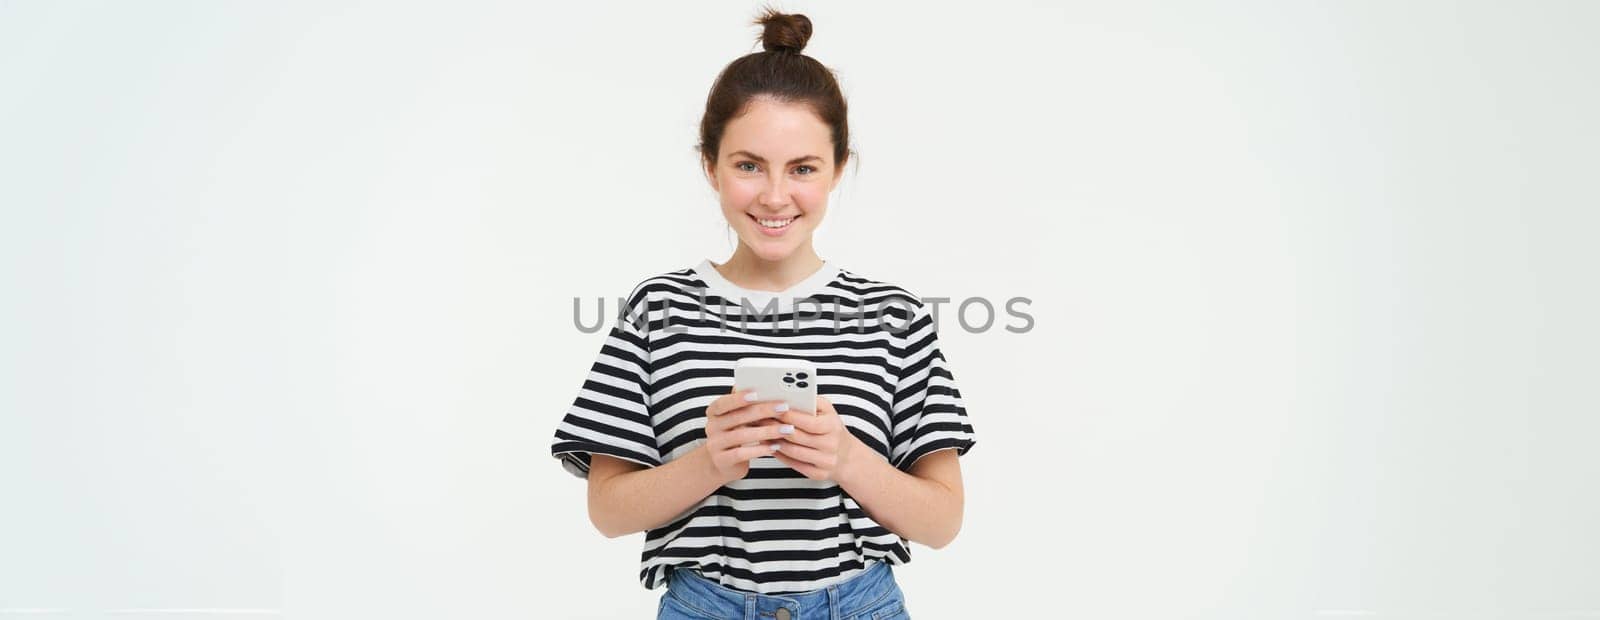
x,y
750,510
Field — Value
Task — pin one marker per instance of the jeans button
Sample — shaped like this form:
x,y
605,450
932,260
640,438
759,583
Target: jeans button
x,y
783,613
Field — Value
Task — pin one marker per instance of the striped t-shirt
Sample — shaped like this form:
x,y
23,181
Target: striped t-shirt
x,y
673,351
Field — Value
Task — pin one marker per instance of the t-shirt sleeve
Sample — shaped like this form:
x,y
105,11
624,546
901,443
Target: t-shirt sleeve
x,y
611,414
928,413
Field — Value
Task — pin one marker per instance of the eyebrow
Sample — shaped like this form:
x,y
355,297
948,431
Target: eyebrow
x,y
763,160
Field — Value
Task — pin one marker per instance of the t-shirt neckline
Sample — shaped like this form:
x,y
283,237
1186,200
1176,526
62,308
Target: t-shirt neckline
x,y
807,287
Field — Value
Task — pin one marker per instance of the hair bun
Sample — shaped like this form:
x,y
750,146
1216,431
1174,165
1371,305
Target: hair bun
x,y
783,32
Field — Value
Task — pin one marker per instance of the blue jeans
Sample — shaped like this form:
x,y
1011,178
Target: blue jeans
x,y
871,594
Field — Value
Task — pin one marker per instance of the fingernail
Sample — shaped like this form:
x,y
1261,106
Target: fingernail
x,y
750,397
786,429
774,447
781,407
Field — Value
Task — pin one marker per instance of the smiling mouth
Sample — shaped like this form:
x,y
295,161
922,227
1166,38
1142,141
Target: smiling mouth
x,y
775,224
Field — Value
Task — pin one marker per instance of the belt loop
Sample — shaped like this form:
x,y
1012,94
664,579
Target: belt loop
x,y
750,606
833,602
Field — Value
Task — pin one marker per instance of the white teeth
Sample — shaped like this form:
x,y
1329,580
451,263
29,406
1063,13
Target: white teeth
x,y
775,223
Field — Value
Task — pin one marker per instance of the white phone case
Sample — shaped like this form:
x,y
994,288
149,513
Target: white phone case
x,y
790,380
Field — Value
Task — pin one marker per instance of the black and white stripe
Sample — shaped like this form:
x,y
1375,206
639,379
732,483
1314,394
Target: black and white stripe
x,y
774,531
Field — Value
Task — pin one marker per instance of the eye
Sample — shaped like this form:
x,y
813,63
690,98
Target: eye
x,y
741,166
806,169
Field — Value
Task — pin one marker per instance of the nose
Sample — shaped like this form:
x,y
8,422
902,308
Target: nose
x,y
775,195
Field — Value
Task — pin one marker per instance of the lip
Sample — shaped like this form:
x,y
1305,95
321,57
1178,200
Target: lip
x,y
774,232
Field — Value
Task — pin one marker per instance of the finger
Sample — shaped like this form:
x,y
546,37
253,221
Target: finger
x,y
750,413
744,416
805,469
813,456
716,423
825,407
728,402
804,438
748,434
745,453
814,424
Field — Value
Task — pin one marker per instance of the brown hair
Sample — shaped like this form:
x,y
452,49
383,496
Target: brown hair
x,y
779,71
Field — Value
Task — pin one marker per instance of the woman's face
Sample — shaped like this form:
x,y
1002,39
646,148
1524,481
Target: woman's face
x,y
773,174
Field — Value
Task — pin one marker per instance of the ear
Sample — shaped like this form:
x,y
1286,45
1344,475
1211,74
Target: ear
x,y
710,169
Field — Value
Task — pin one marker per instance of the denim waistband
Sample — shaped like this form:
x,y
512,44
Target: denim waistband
x,y
859,592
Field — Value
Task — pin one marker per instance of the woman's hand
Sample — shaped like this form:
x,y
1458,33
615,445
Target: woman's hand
x,y
819,446
731,422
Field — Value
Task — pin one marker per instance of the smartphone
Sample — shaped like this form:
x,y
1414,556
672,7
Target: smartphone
x,y
793,381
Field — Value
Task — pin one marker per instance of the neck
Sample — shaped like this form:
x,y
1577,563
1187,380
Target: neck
x,y
746,270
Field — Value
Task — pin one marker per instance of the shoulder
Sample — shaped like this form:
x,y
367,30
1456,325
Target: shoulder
x,y
678,282
874,291
912,315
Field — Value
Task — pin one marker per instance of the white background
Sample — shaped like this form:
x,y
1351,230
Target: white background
x,y
287,318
